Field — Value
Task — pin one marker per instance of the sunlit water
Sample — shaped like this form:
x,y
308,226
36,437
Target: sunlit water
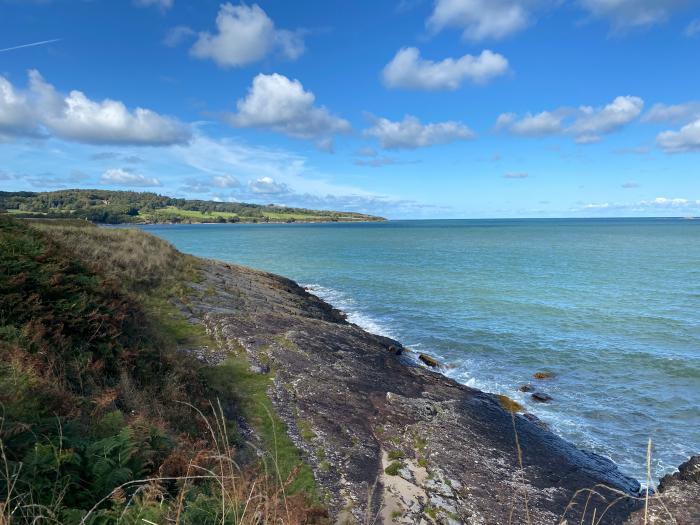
x,y
612,307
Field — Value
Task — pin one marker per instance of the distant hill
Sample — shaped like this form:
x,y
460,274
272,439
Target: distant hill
x,y
115,207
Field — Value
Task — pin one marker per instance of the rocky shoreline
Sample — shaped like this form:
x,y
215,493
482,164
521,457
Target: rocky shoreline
x,y
393,442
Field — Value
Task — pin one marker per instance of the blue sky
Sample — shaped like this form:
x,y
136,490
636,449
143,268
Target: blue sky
x,y
409,109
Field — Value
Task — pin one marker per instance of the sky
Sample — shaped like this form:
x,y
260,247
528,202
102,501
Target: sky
x,y
406,109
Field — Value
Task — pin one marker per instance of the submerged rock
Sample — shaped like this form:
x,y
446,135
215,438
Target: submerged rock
x,y
526,388
543,375
541,397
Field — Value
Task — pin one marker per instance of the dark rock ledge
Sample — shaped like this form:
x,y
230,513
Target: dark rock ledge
x,y
449,451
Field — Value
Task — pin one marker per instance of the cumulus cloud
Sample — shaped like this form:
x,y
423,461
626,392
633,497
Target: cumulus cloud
x,y
592,122
409,70
544,123
585,123
275,102
624,14
687,139
18,115
680,113
245,34
42,110
225,181
268,186
409,133
480,19
121,177
161,4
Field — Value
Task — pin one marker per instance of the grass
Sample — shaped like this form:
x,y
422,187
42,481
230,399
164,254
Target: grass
x,y
234,381
396,454
394,468
102,419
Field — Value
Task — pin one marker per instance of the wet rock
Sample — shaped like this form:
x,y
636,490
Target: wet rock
x,y
541,397
430,361
526,388
677,500
543,375
396,350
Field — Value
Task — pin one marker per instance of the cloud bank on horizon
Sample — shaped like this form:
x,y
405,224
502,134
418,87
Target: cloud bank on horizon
x,y
451,108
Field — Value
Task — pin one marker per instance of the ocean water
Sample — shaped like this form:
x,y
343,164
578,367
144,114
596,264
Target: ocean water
x,y
611,307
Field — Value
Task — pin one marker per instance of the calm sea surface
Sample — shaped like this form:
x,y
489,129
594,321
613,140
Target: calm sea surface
x,y
612,307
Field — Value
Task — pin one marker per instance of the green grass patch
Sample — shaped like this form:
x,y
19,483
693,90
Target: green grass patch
x,y
234,381
394,468
396,454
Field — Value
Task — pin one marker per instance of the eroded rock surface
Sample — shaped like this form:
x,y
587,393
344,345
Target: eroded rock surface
x,y
677,500
389,440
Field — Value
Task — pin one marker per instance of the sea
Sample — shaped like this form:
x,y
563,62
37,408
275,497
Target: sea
x,y
611,307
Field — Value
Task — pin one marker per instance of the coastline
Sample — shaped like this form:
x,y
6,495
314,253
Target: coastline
x,y
357,407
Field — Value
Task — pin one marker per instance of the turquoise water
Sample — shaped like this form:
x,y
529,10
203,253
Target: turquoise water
x,y
612,307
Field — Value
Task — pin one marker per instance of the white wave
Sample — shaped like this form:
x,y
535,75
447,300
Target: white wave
x,y
349,307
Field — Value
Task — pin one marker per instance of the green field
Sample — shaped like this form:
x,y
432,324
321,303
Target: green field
x,y
116,207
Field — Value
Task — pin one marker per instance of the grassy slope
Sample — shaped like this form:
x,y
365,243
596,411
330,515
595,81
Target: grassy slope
x,y
95,394
117,207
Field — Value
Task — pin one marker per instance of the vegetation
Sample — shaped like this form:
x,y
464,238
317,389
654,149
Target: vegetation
x,y
116,207
394,468
102,419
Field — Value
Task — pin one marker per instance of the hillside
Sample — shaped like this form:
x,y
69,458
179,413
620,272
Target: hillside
x,y
115,207
100,387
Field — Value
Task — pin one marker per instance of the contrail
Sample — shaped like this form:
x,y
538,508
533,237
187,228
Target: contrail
x,y
31,45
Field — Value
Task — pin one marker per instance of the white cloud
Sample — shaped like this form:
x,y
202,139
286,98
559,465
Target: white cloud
x,y
176,35
659,204
687,139
78,118
17,114
593,122
516,175
268,186
408,70
693,28
586,124
680,113
480,19
544,123
161,4
409,133
624,14
122,177
244,35
280,104
630,185
225,181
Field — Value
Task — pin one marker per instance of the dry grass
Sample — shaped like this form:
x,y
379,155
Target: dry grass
x,y
129,255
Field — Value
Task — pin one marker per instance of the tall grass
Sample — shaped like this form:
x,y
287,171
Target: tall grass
x,y
214,490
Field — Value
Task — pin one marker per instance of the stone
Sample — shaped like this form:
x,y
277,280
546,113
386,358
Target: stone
x,y
541,397
526,388
430,361
543,375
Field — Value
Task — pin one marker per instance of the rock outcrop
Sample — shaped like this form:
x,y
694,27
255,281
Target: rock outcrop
x,y
390,440
677,500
